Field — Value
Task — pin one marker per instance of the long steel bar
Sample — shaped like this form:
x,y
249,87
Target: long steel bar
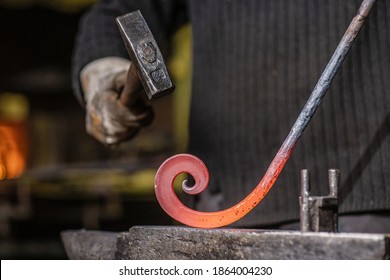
x,y
194,166
327,76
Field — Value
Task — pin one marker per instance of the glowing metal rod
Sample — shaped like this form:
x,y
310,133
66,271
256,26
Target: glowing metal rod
x,y
175,165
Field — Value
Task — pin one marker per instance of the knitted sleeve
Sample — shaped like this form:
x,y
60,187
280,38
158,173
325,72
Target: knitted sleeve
x,y
99,36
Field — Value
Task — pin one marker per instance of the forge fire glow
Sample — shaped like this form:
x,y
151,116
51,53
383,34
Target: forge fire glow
x,y
175,165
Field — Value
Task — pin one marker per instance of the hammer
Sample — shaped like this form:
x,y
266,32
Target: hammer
x,y
148,70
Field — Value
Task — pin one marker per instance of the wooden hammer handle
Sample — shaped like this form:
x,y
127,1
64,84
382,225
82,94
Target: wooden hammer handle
x,y
133,86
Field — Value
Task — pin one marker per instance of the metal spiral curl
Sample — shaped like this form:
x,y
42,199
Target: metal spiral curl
x,y
185,163
177,164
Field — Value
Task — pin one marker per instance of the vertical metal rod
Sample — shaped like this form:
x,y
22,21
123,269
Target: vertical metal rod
x,y
327,76
334,177
305,192
334,182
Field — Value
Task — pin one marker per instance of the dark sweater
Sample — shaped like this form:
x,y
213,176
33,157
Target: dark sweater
x,y
255,62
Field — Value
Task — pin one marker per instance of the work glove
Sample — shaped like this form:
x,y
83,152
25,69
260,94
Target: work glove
x,y
107,119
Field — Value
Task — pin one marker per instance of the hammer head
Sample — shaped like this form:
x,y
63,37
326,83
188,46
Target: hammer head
x,y
145,55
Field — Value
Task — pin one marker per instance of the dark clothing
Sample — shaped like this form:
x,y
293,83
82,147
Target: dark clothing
x,y
255,63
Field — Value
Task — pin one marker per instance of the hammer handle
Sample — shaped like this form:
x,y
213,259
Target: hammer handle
x,y
130,92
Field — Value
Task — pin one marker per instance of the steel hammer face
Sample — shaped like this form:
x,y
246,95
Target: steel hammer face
x,y
145,55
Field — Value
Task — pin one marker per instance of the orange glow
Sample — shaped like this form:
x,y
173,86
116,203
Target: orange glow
x,y
13,149
190,164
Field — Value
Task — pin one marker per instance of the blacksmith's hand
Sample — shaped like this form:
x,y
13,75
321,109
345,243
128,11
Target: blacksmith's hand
x,y
107,119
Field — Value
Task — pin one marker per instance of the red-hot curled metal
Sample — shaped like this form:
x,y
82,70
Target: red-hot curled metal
x,y
175,165
169,201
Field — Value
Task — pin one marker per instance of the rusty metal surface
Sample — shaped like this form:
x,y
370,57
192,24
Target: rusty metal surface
x,y
89,245
188,243
182,243
319,213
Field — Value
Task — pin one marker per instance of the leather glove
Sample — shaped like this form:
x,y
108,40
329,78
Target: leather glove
x,y
107,119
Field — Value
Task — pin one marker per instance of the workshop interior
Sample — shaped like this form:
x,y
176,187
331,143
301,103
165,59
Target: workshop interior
x,y
53,175
65,195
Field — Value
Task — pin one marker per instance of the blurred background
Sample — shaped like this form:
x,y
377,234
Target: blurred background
x,y
53,176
